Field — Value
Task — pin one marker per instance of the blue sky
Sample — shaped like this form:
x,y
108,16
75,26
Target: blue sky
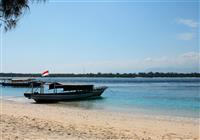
x,y
105,36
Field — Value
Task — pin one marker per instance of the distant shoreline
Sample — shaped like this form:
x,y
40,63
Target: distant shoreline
x,y
105,75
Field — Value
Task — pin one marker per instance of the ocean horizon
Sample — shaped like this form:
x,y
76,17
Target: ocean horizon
x,y
178,97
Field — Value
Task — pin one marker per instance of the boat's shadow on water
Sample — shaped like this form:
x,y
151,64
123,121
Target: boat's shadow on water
x,y
90,103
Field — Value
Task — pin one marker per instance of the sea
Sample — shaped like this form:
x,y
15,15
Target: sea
x,y
178,97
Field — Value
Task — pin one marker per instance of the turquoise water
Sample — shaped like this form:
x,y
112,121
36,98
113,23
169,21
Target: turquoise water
x,y
162,96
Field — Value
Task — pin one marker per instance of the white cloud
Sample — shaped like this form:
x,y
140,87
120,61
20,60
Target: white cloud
x,y
185,36
183,59
186,62
191,55
188,22
148,59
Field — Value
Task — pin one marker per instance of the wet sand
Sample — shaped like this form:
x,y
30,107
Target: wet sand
x,y
50,122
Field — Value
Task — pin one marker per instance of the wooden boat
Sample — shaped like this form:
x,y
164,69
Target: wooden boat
x,y
65,93
21,83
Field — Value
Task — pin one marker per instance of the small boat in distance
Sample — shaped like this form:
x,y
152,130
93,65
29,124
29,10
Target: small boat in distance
x,y
21,82
64,93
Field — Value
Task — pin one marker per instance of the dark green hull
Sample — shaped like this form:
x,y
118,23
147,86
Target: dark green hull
x,y
65,96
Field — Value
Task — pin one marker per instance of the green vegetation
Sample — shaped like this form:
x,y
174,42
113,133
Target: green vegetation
x,y
124,75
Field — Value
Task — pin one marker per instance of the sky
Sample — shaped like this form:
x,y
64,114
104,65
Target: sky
x,y
104,36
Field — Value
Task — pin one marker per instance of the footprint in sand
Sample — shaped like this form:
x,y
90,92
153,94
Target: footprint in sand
x,y
173,136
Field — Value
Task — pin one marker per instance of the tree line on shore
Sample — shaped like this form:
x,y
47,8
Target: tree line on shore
x,y
122,75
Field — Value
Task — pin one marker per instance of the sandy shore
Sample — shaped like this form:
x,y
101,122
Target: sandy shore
x,y
40,121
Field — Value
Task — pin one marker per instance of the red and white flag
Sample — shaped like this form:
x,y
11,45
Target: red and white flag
x,y
45,73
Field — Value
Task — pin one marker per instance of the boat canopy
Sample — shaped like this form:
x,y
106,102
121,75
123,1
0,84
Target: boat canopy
x,y
21,80
70,87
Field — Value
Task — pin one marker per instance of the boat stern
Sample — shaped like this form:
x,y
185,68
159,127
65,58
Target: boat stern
x,y
27,95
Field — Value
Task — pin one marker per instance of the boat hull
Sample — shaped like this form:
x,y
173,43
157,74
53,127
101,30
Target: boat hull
x,y
70,96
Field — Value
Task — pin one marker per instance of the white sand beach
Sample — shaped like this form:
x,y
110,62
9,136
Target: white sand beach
x,y
26,121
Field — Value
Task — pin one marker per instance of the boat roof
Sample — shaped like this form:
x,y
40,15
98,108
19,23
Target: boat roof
x,y
22,80
70,87
18,79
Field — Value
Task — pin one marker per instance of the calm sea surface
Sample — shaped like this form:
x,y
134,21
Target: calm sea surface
x,y
162,96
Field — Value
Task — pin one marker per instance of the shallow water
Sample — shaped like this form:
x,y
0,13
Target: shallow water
x,y
161,96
